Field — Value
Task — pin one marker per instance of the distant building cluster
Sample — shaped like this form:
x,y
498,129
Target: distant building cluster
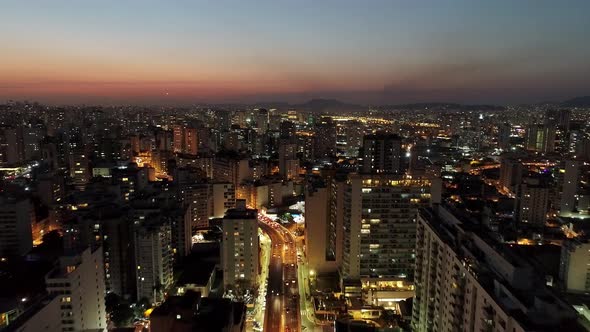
x,y
429,217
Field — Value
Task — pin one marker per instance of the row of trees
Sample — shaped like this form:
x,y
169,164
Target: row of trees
x,y
122,312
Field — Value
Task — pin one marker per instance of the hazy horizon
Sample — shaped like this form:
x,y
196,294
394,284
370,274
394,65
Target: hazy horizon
x,y
381,52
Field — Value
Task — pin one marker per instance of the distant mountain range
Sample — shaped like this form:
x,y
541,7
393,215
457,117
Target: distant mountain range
x,y
326,105
443,107
317,105
322,105
577,102
329,105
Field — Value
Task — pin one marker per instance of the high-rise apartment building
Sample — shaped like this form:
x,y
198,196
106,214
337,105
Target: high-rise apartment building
x,y
79,165
32,137
191,141
51,188
116,236
181,230
16,218
79,282
13,146
233,140
207,200
316,219
197,198
239,248
262,120
135,143
510,173
223,198
380,224
575,191
382,153
560,118
305,145
466,281
354,132
575,259
287,130
532,201
163,140
324,138
541,138
38,317
288,161
178,138
185,140
153,257
504,133
231,168
324,229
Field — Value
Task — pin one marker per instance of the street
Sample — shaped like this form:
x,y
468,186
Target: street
x,y
282,304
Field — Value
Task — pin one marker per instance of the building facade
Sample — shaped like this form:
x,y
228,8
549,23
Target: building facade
x,y
153,256
382,153
16,219
80,284
240,247
466,281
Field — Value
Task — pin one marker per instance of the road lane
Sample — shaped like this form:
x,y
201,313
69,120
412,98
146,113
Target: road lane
x,y
274,300
283,292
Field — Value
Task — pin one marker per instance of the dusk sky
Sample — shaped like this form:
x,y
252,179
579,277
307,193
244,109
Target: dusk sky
x,y
176,52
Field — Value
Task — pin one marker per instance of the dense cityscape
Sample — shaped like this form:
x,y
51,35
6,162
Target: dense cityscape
x,y
315,217
294,166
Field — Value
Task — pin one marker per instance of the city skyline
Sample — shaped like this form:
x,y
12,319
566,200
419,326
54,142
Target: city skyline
x,y
414,218
294,166
377,53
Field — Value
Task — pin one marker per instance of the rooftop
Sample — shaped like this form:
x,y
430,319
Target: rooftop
x,y
197,274
241,211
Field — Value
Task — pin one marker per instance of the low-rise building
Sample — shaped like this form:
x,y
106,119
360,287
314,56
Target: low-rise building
x,y
191,312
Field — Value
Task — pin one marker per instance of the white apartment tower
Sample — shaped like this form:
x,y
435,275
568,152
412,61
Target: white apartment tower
x,y
323,222
79,282
467,281
223,198
380,224
153,257
239,250
573,270
197,198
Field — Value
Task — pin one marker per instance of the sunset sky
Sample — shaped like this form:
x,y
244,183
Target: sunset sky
x,y
179,52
